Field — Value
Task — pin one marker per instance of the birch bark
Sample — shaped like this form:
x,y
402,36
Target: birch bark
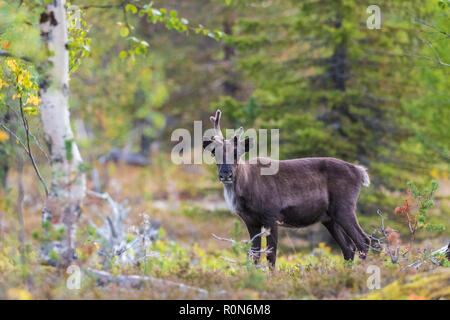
x,y
68,180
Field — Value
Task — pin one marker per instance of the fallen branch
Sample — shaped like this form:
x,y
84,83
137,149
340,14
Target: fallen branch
x,y
113,232
136,281
429,257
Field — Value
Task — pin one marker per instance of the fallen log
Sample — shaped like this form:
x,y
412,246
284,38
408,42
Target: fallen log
x,y
117,155
137,281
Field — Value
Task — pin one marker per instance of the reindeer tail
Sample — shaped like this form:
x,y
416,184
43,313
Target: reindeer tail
x,y
365,176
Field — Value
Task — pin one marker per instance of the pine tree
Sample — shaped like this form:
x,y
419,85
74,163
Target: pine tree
x,y
333,86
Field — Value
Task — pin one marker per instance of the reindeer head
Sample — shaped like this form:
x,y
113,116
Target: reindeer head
x,y
227,152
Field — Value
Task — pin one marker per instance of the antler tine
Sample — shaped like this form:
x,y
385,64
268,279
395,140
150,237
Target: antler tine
x,y
216,121
239,133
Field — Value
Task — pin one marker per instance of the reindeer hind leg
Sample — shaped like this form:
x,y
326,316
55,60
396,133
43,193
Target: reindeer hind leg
x,y
346,218
343,240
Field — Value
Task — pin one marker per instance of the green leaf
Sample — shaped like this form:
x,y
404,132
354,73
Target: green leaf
x,y
124,32
131,7
123,54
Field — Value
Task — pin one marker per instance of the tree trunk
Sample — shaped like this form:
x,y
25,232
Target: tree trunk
x,y
68,181
4,158
230,84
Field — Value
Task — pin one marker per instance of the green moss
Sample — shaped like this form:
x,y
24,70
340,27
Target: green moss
x,y
434,285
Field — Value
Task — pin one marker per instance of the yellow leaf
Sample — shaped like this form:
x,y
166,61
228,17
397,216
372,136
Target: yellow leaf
x,y
3,136
12,65
3,84
19,294
34,100
24,79
435,173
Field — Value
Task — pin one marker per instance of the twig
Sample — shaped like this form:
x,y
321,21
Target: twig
x,y
264,232
394,257
122,6
125,16
28,148
438,58
14,135
250,252
31,134
228,259
100,6
431,26
223,239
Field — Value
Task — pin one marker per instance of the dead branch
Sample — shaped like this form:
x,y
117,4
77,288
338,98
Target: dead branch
x,y
137,281
113,231
425,256
250,253
223,239
393,254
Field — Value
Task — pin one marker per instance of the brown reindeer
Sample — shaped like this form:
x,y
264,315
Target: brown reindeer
x,y
303,192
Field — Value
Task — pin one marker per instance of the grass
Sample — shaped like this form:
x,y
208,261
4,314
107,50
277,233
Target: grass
x,y
189,211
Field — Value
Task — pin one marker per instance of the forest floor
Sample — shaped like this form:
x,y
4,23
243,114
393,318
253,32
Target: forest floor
x,y
185,260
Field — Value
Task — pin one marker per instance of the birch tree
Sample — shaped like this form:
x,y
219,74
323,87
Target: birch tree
x,y
68,184
64,198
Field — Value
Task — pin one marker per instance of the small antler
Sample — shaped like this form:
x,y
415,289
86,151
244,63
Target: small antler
x,y
239,133
216,121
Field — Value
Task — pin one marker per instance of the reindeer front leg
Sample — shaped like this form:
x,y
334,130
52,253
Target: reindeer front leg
x,y
272,242
256,243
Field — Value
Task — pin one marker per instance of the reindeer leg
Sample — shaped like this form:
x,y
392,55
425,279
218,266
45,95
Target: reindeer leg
x,y
272,242
256,244
343,240
346,218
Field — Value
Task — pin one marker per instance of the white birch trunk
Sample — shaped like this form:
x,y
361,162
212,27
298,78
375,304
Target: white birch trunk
x,y
68,182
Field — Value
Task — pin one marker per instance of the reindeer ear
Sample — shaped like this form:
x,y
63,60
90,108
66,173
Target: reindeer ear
x,y
244,146
248,144
206,143
236,141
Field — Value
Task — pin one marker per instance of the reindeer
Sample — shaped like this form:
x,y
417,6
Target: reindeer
x,y
303,192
